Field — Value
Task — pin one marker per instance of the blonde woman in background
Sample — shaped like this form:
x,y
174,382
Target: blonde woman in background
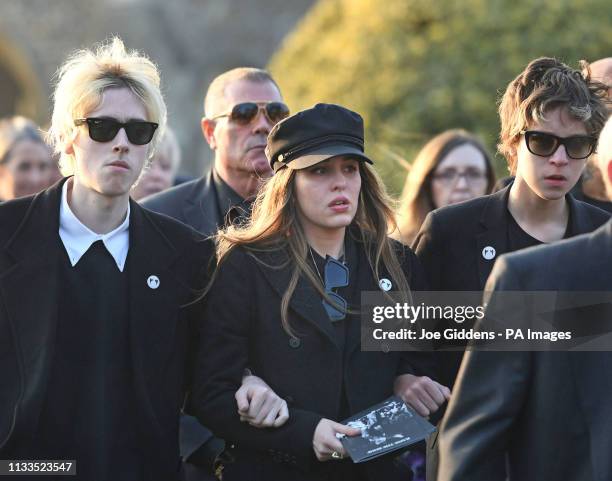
x,y
161,172
452,167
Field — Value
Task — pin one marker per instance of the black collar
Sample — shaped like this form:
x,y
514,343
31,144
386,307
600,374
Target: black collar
x,y
494,222
227,198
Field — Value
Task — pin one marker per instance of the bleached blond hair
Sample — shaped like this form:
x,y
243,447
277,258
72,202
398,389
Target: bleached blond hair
x,y
84,77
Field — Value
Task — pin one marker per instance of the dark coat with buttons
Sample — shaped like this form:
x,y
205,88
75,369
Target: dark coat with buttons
x,y
533,416
161,325
244,329
195,204
458,246
454,247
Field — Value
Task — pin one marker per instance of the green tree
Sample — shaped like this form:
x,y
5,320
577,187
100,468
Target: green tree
x,y
414,68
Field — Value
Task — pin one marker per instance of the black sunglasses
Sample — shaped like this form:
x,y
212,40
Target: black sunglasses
x,y
138,132
545,144
245,112
336,275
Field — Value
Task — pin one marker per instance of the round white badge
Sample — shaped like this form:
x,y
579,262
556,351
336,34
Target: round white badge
x,y
385,284
488,253
153,282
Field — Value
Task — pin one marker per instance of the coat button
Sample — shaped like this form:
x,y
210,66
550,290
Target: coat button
x,y
294,342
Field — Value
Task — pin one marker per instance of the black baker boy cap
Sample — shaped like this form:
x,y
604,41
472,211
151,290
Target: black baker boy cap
x,y
314,135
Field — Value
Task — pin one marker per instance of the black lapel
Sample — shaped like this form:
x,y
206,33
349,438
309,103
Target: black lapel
x,y
493,237
154,312
200,208
306,301
596,261
580,216
30,292
594,392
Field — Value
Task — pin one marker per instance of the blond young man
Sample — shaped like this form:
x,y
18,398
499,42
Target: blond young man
x,y
95,335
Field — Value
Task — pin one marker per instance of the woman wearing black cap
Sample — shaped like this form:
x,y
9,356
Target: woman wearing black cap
x,y
282,306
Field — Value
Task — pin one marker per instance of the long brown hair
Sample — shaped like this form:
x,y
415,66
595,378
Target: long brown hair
x,y
417,201
274,226
546,84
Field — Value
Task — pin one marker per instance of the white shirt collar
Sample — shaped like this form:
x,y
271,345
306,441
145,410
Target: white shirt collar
x,y
78,238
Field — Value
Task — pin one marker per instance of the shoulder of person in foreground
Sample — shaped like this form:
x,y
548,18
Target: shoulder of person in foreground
x,y
453,225
179,232
170,201
566,264
451,219
478,426
411,265
12,214
407,259
189,244
593,215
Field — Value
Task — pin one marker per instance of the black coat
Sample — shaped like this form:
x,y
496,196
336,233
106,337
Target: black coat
x,y
549,412
194,203
162,333
451,241
244,329
450,247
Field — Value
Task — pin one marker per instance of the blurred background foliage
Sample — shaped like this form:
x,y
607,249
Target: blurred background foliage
x,y
414,68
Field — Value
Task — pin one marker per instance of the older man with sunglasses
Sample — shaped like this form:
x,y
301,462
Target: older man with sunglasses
x,y
240,108
97,317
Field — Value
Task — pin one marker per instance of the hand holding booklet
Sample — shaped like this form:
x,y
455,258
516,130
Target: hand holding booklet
x,y
386,427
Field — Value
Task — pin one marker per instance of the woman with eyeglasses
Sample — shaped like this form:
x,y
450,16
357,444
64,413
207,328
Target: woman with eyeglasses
x,y
452,167
550,118
285,304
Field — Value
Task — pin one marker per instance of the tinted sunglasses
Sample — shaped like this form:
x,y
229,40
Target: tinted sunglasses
x,y
138,132
545,144
336,275
245,112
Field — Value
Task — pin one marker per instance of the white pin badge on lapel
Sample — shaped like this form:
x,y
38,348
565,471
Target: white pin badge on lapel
x,y
153,282
385,284
488,253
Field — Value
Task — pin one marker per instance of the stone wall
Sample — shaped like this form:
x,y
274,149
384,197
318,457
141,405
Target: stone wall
x,y
191,40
